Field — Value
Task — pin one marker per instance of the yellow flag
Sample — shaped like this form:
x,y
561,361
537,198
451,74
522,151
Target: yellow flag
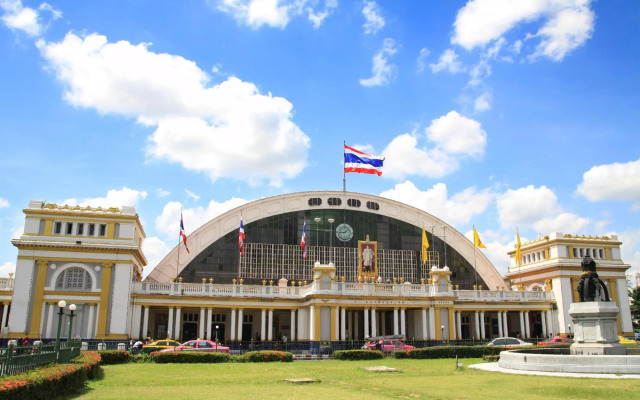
x,y
518,254
425,246
476,240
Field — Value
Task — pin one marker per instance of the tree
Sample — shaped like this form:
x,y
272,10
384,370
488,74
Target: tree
x,y
634,296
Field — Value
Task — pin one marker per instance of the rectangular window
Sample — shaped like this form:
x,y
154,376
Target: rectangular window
x,y
92,229
80,230
57,228
69,230
41,227
103,230
116,231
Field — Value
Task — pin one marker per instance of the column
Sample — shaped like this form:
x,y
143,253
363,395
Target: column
x,y
270,325
366,323
301,325
403,323
483,334
209,321
543,319
145,321
395,321
263,325
105,296
312,323
382,323
178,329
170,324
506,325
90,321
240,322
202,323
550,321
522,330
232,334
476,319
343,324
336,320
459,325
373,323
50,313
356,328
425,334
293,325
500,331
432,323
527,327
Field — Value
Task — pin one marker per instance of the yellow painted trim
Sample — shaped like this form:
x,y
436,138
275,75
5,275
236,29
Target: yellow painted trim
x,y
333,324
607,253
452,322
570,248
38,297
438,330
70,293
574,293
317,324
76,260
48,226
613,294
105,294
547,253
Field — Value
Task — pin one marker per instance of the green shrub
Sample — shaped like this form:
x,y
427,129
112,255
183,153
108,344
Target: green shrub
x,y
53,381
451,352
266,356
188,357
140,358
110,357
353,355
491,358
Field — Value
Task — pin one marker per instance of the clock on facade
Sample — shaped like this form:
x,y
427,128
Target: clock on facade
x,y
344,232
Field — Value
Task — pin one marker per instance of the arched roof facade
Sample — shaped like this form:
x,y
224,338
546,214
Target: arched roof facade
x,y
279,219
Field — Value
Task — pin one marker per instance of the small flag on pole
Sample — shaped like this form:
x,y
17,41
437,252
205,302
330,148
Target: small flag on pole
x,y
183,235
358,161
425,246
303,241
476,240
518,254
241,237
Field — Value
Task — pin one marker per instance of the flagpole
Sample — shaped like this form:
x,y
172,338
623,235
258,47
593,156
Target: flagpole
x,y
475,269
179,240
344,173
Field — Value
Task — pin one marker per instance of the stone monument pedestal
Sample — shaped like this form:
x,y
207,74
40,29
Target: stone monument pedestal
x,y
595,329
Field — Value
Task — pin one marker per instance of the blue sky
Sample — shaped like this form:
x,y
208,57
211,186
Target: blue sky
x,y
500,114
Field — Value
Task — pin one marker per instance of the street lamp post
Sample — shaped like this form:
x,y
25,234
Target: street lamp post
x,y
61,305
442,332
317,219
331,221
72,308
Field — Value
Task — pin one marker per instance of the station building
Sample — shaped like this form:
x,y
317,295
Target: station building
x,y
362,276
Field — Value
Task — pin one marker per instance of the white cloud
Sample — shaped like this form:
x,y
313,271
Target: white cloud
x,y
482,103
198,125
630,247
162,193
274,13
448,61
617,181
403,158
6,268
168,222
526,206
26,19
460,208
192,195
3,203
457,134
382,71
566,24
422,59
114,198
564,222
373,20
155,250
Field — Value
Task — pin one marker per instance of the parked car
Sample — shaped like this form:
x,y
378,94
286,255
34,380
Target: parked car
x,y
555,340
387,345
508,342
159,345
200,345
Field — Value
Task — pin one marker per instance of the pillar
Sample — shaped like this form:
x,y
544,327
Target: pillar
x,y
483,334
500,331
543,319
90,321
403,322
374,331
232,334
209,322
240,322
202,324
432,323
527,326
105,296
270,325
425,334
292,324
335,318
459,325
476,319
522,329
312,323
50,313
263,325
178,329
170,324
343,324
366,323
145,321
506,324
356,328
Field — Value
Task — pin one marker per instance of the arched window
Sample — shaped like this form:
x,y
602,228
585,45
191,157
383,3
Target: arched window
x,y
74,278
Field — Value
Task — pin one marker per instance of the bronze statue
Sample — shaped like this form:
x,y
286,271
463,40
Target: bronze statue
x,y
590,287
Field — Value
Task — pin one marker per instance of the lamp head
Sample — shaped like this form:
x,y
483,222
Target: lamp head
x,y
72,307
317,219
331,220
62,304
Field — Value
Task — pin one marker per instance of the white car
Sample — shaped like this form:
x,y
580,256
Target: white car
x,y
508,342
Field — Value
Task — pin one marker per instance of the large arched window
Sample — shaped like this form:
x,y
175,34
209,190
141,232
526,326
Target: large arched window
x,y
74,278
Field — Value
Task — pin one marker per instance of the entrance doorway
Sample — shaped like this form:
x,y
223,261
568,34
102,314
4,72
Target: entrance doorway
x,y
189,331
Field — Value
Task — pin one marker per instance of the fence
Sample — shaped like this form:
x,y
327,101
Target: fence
x,y
17,359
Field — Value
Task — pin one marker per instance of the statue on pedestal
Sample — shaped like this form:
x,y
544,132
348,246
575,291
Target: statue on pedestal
x,y
590,287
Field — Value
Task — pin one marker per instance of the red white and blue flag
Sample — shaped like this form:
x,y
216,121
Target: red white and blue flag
x,y
358,161
303,242
183,235
241,237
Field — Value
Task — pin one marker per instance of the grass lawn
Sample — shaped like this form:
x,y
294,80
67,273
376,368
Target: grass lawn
x,y
426,379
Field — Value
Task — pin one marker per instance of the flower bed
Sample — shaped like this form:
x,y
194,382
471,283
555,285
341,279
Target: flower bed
x,y
266,356
53,381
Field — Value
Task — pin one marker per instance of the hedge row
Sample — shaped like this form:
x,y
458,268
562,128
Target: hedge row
x,y
110,357
354,355
184,357
51,382
265,356
449,352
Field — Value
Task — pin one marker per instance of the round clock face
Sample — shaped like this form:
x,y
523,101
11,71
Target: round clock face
x,y
344,232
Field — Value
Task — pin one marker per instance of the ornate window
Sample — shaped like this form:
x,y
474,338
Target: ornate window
x,y
74,278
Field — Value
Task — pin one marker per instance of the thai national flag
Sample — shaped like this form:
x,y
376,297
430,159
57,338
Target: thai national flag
x,y
358,161
241,237
183,235
303,242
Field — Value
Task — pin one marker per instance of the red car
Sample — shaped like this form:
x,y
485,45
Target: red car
x,y
200,345
555,340
387,345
